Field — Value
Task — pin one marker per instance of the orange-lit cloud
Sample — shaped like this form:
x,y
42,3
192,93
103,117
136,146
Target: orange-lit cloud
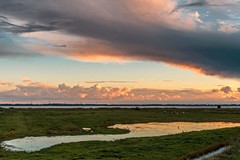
x,y
40,92
136,30
99,82
6,83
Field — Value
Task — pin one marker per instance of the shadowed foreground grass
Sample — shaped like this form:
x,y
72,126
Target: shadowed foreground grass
x,y
28,122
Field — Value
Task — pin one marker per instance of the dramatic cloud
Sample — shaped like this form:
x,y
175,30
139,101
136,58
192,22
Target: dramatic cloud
x,y
37,92
7,26
144,30
207,3
198,3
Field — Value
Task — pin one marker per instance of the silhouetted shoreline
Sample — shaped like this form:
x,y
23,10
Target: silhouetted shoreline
x,y
118,105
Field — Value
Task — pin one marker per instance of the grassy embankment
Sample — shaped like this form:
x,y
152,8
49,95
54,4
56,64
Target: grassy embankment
x,y
41,122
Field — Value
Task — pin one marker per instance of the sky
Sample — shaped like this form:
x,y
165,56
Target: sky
x,y
120,51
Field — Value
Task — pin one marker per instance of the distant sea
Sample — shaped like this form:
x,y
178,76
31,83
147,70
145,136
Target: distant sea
x,y
108,106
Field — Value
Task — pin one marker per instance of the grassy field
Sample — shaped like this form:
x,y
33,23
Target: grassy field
x,y
15,123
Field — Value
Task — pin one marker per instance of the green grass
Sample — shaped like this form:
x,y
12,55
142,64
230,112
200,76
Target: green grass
x,y
232,154
16,123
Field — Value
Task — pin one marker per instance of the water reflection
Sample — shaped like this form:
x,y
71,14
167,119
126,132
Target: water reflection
x,y
160,129
32,144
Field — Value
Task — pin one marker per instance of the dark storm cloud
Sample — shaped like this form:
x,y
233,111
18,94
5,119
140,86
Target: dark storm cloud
x,y
198,3
211,53
203,3
7,26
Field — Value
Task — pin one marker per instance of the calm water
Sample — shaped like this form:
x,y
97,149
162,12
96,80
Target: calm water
x,y
32,144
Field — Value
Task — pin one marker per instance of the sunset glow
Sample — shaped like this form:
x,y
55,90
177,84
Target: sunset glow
x,y
119,51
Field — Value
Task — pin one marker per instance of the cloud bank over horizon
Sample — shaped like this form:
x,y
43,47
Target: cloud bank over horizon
x,y
38,92
197,35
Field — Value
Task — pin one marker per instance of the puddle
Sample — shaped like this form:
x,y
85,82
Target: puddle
x,y
160,129
32,144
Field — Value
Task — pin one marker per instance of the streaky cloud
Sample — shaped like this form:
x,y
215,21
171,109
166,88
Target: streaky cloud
x,y
119,25
13,28
202,3
95,82
198,3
